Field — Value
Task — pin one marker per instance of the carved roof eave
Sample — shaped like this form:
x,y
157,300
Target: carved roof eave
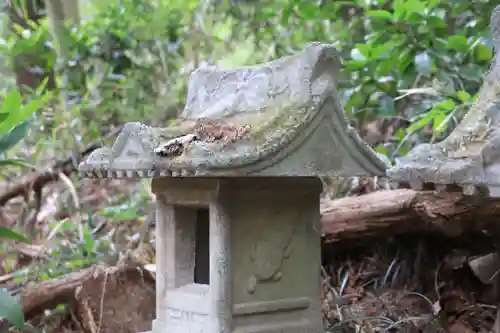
x,y
128,158
470,156
305,132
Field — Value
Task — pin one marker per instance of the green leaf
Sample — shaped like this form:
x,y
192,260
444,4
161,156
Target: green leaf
x,y
472,72
458,42
438,121
266,14
432,3
463,96
483,53
399,9
435,22
380,14
405,60
42,86
33,106
11,309
354,65
308,10
415,6
446,105
363,49
11,234
18,28
381,49
12,102
286,14
443,125
89,241
20,113
420,123
3,116
16,162
14,136
386,106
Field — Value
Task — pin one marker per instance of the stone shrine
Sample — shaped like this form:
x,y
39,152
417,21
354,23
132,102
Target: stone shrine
x,y
237,187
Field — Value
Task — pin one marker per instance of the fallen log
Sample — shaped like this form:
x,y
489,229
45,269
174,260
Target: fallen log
x,y
401,211
48,294
37,297
37,180
98,296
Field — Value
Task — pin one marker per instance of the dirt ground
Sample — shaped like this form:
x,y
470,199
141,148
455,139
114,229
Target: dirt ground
x,y
412,283
409,283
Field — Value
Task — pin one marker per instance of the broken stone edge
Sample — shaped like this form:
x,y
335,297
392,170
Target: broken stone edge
x,y
458,161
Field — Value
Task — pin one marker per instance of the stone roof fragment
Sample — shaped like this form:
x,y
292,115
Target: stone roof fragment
x,y
280,118
469,156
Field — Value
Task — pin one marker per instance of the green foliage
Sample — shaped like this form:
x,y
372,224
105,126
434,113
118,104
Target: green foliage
x,y
10,234
11,309
433,51
421,60
418,43
15,120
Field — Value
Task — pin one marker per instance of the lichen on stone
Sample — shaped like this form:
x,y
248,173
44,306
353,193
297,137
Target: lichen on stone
x,y
242,121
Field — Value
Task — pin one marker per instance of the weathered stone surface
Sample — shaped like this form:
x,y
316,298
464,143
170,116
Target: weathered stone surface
x,y
469,157
278,118
486,267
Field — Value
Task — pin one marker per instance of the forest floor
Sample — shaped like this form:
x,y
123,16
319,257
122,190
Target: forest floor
x,y
92,251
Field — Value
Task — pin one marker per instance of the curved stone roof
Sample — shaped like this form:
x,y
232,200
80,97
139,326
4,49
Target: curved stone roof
x,y
280,118
469,156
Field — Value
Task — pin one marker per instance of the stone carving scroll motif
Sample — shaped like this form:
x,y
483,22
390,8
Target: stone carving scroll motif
x,y
268,254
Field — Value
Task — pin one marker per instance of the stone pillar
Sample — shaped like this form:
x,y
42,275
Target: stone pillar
x,y
180,245
220,270
175,250
164,216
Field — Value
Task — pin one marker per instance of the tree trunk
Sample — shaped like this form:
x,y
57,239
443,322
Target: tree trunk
x,y
58,11
71,11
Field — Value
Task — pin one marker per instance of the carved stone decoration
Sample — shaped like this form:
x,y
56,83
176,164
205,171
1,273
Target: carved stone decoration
x,y
269,251
250,147
279,118
470,156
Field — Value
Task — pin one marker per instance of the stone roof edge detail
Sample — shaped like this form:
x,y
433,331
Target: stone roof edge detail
x,y
133,152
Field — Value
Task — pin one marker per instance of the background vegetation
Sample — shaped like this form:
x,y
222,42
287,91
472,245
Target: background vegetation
x,y
74,71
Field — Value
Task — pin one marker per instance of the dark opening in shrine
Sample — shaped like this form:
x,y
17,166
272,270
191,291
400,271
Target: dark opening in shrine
x,y
202,246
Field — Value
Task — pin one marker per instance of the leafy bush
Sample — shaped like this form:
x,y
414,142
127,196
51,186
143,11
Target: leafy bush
x,y
417,60
15,119
10,309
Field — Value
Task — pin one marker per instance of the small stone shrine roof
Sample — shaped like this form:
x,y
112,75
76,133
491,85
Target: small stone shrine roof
x,y
470,155
280,118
